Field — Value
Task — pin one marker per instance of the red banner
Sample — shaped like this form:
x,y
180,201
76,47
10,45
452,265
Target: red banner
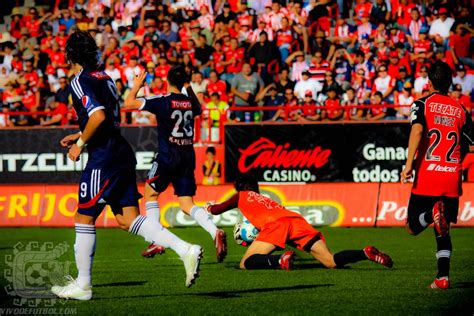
x,y
334,204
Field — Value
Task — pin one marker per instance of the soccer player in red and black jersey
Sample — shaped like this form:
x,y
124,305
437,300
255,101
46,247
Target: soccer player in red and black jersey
x,y
440,135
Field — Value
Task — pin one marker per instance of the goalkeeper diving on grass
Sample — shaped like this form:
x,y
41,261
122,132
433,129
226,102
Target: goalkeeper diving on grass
x,y
280,227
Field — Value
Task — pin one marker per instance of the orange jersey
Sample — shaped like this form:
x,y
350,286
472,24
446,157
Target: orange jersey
x,y
261,210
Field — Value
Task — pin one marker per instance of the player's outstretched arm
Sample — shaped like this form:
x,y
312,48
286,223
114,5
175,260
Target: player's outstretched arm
x,y
131,102
415,138
92,125
216,209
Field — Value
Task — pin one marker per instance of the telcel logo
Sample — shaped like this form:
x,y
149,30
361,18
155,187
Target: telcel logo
x,y
436,167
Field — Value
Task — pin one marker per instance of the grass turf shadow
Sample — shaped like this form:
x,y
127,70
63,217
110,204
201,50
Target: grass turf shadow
x,y
129,283
230,294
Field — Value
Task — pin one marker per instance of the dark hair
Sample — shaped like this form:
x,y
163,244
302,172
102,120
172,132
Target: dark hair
x,y
378,93
246,182
177,76
359,53
440,75
82,49
211,149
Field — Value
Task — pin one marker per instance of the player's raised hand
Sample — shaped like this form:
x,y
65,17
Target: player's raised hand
x,y
406,174
139,79
69,140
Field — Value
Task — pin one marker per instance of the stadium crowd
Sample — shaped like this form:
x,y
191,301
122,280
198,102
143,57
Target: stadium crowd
x,y
304,60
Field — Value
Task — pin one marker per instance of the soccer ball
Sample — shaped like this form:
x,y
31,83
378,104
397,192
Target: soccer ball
x,y
244,232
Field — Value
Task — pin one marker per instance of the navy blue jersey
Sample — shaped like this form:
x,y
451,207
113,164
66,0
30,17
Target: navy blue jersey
x,y
175,114
92,91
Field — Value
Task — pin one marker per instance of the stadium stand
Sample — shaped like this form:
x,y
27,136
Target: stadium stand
x,y
248,61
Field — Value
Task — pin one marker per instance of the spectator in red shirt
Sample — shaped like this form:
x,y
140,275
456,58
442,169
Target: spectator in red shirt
x,y
331,110
396,36
395,64
318,67
149,51
382,52
284,36
31,75
61,37
163,68
378,112
290,102
217,58
217,86
362,8
33,22
233,60
29,95
401,12
460,43
461,98
158,86
58,114
58,58
17,23
311,111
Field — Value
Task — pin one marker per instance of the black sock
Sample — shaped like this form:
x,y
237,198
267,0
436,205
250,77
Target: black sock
x,y
349,256
443,255
419,223
258,261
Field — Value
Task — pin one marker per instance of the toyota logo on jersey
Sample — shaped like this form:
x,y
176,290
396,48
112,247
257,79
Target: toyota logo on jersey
x,y
86,101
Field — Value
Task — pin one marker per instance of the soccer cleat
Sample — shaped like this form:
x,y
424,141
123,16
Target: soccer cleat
x,y
287,259
375,255
72,290
191,261
220,241
152,250
441,283
439,219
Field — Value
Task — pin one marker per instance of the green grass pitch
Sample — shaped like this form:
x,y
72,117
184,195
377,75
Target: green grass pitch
x,y
126,283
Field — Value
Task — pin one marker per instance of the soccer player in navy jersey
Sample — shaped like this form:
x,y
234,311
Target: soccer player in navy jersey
x,y
175,161
109,176
441,134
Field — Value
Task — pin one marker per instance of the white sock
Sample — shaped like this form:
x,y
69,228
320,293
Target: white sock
x,y
153,210
204,220
422,220
84,250
155,233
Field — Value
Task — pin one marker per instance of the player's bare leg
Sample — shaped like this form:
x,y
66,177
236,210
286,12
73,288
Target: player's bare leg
x,y
84,249
205,221
258,256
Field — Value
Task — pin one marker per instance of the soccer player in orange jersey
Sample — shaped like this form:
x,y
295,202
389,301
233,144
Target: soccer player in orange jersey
x,y
278,227
441,134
